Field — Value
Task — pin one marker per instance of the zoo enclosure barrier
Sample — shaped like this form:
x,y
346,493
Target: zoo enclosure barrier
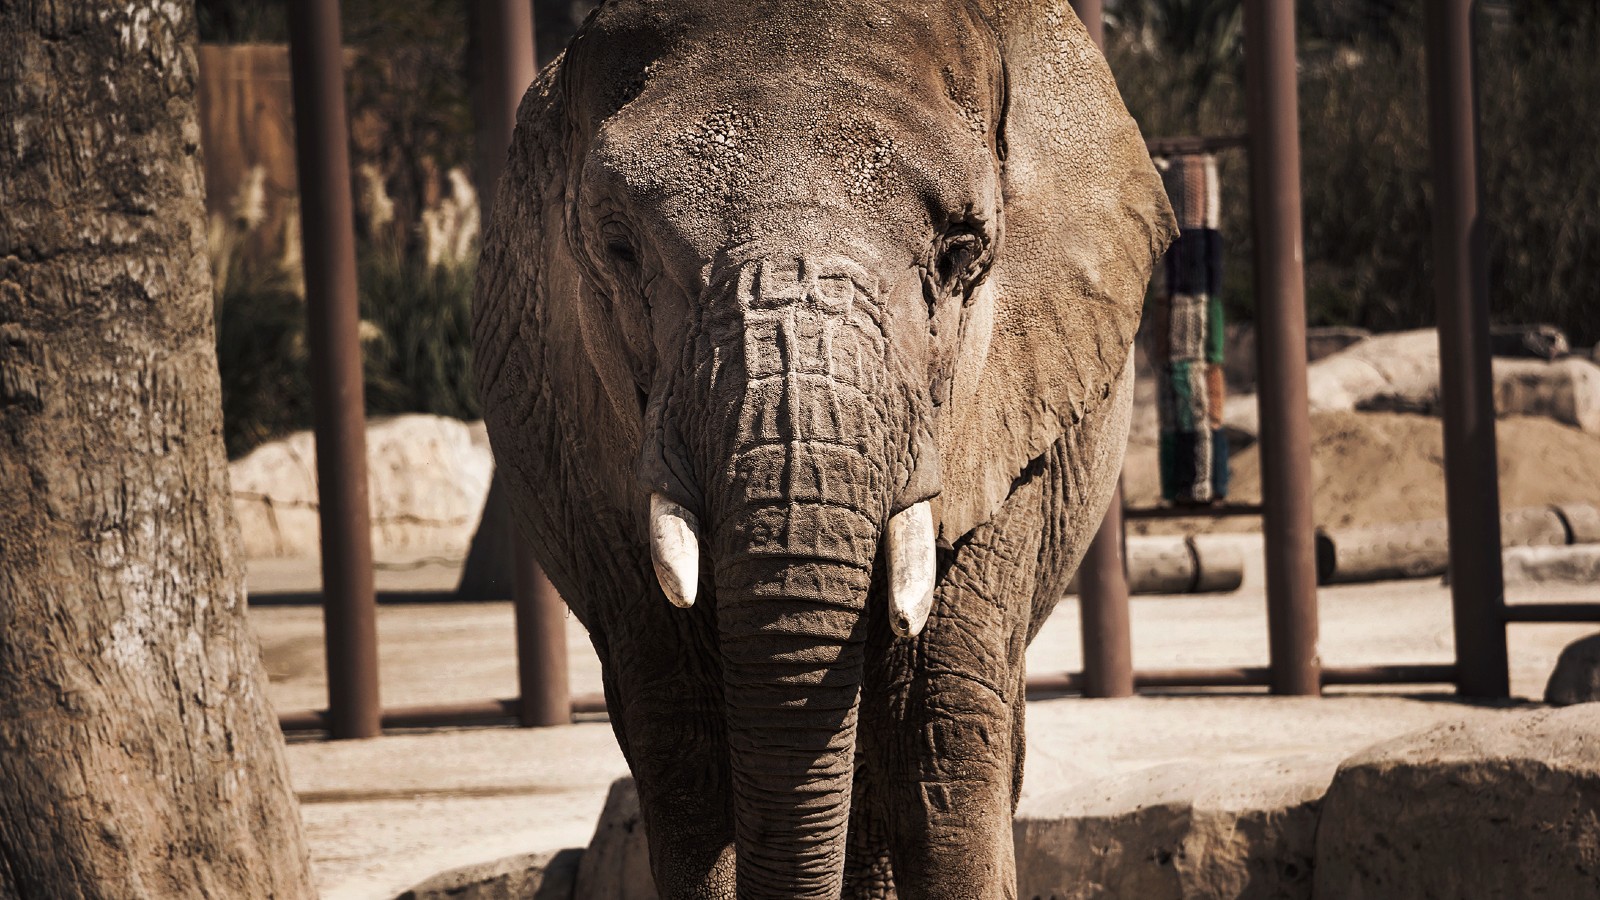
x,y
1479,610
1480,613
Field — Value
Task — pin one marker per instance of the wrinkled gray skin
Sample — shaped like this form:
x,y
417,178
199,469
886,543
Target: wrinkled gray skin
x,y
797,266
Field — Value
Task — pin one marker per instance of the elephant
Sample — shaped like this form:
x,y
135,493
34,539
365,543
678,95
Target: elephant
x,y
802,333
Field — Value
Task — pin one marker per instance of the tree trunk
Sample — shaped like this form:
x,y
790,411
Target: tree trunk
x,y
138,754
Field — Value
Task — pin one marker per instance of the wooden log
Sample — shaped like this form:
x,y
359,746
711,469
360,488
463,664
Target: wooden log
x,y
1173,564
1420,549
1219,567
1160,565
1582,521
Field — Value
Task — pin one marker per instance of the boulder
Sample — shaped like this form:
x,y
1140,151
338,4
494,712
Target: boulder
x,y
1567,390
531,876
1184,830
1501,807
1239,350
427,480
617,864
1326,340
1399,372
1576,678
1529,341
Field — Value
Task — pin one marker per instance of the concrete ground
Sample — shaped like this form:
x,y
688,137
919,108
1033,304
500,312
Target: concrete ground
x,y
384,814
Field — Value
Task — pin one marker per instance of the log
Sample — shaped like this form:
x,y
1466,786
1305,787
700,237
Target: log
x,y
1172,564
1422,549
1582,521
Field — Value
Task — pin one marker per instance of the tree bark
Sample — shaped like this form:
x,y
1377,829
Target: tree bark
x,y
138,754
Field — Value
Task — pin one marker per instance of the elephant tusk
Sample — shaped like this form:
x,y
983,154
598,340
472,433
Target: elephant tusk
x,y
912,569
675,550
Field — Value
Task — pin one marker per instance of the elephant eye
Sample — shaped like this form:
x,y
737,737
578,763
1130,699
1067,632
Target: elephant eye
x,y
958,260
620,251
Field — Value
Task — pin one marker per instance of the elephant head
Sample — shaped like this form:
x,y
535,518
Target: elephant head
x,y
815,282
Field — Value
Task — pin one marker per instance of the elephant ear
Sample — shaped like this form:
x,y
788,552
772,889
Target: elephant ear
x,y
1085,218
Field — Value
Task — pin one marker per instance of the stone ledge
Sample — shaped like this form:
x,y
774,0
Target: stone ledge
x,y
1503,808
1244,830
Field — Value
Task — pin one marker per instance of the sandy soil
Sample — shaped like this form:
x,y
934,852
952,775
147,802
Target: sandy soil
x,y
382,815
1389,467
385,814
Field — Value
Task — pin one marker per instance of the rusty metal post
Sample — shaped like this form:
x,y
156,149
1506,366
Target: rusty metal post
x,y
1103,610
1102,576
504,35
1092,12
1288,524
544,697
503,38
316,57
1466,385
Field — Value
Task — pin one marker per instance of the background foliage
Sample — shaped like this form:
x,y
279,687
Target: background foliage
x,y
1180,66
1365,154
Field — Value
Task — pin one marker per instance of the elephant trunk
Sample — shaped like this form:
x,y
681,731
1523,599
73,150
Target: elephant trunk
x,y
791,627
799,499
801,463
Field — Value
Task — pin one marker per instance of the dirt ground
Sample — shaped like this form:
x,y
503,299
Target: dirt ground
x,y
385,814
1541,462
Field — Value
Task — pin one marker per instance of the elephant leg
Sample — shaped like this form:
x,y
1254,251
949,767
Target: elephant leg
x,y
956,717
868,874
668,714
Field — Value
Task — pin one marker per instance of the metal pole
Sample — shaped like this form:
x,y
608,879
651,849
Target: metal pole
x,y
543,698
1092,12
1273,109
505,41
1103,610
1466,385
316,57
1102,578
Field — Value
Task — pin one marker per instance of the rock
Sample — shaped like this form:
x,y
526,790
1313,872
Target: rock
x,y
617,864
531,876
1325,341
1502,807
1399,372
1575,564
1239,353
1240,830
1529,341
427,479
1567,390
1576,678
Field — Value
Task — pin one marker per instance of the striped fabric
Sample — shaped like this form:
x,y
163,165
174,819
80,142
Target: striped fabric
x,y
1185,337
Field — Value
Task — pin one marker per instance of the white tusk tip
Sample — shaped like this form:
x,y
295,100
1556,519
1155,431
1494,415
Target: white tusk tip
x,y
913,569
675,550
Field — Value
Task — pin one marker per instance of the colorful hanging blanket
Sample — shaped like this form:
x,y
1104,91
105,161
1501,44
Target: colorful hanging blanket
x,y
1186,337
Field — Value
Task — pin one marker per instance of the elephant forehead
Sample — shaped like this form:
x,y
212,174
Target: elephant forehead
x,y
707,106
